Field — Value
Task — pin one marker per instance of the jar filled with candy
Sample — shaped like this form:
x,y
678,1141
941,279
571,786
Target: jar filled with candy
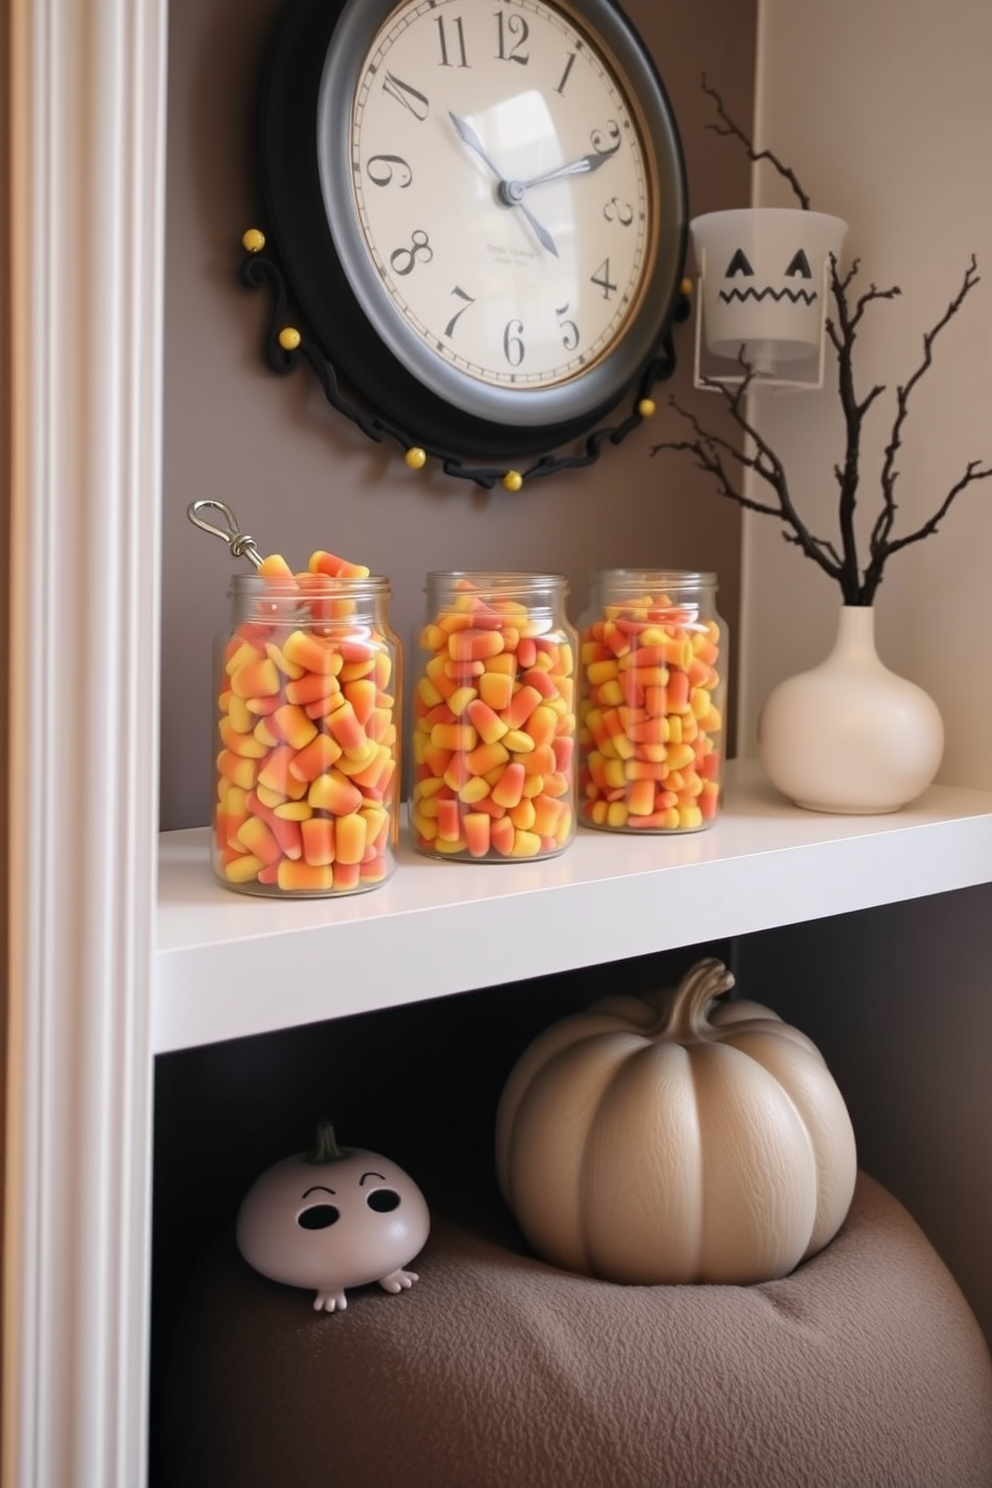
x,y
653,667
308,687
493,742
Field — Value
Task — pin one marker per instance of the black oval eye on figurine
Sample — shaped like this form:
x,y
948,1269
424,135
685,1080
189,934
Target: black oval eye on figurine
x,y
319,1217
383,1200
480,211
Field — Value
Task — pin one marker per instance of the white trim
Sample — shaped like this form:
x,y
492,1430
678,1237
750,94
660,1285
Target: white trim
x,y
88,176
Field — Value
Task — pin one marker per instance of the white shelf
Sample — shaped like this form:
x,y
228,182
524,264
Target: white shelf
x,y
228,964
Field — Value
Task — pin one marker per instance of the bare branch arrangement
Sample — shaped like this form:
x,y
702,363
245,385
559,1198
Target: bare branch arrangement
x,y
726,463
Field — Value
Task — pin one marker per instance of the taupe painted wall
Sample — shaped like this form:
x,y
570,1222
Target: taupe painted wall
x,y
298,475
897,1000
5,484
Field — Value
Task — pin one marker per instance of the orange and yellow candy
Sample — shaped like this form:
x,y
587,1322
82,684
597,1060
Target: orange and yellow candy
x,y
649,725
494,733
307,769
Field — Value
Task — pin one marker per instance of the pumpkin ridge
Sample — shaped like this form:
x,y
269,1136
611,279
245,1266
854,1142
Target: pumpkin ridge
x,y
743,1071
539,1125
700,1154
808,1088
768,1028
626,1072
703,1211
586,1181
569,1033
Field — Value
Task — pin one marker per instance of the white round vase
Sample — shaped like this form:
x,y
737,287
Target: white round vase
x,y
850,736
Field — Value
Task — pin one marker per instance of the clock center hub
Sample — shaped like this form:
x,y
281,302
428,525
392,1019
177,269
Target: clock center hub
x,y
512,192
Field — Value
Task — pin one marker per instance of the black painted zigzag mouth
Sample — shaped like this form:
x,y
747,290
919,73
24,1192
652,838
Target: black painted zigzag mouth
x,y
795,296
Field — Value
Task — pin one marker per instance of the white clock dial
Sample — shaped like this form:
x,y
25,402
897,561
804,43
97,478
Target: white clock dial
x,y
502,188
480,208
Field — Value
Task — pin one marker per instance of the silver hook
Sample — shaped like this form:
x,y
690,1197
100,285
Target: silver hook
x,y
240,544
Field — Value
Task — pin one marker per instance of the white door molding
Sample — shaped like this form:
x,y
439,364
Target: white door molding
x,y
87,246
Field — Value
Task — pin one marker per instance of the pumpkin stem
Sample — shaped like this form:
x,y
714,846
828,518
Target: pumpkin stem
x,y
325,1148
691,999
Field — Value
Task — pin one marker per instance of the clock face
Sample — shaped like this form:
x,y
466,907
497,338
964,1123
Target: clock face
x,y
502,190
501,208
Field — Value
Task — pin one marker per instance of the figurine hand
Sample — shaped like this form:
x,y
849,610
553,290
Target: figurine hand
x,y
468,134
330,1302
398,1281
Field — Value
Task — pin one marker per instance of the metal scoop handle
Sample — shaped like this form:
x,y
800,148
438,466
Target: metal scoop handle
x,y
240,544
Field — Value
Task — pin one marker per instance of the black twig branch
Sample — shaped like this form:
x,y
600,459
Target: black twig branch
x,y
882,545
719,457
728,126
723,460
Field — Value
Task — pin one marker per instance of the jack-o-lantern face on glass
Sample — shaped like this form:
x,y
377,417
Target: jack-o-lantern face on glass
x,y
333,1218
764,272
796,294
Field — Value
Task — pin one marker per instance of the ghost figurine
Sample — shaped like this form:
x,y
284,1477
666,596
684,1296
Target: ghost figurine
x,y
332,1218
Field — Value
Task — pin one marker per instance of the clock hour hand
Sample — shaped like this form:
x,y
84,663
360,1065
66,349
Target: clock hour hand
x,y
580,167
468,134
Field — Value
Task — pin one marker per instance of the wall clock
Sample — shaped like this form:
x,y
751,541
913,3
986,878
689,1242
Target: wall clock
x,y
478,210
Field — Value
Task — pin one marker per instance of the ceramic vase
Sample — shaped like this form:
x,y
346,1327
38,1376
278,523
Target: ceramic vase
x,y
850,736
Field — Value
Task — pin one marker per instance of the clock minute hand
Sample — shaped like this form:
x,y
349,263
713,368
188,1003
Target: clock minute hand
x,y
473,141
468,134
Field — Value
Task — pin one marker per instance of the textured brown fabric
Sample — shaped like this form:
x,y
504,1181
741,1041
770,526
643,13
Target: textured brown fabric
x,y
863,1368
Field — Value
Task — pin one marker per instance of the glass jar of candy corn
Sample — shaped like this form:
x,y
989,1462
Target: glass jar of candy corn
x,y
494,768
308,690
653,667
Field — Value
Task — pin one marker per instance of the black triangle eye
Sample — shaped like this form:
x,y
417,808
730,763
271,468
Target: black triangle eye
x,y
799,267
739,265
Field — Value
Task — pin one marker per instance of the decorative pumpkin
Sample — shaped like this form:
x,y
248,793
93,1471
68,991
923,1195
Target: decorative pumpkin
x,y
662,1140
331,1218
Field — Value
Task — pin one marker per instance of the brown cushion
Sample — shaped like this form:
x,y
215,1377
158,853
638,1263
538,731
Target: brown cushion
x,y
863,1368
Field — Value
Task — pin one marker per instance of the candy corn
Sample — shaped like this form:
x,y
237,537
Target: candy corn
x,y
649,723
493,734
308,739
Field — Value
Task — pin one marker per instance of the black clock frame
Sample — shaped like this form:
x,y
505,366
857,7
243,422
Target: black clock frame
x,y
301,264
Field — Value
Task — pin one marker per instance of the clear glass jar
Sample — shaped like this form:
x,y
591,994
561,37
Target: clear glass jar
x,y
308,690
494,767
653,668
